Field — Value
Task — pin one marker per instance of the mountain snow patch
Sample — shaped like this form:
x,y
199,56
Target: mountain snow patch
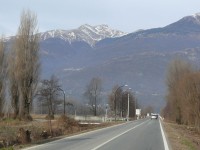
x,y
87,33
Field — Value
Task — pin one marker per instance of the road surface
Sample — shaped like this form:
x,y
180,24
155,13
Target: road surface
x,y
142,134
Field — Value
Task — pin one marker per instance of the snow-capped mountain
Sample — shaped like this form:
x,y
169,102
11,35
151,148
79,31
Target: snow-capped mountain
x,y
139,58
189,23
197,17
87,33
186,25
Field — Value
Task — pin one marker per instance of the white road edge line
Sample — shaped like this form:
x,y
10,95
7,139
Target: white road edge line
x,y
118,136
164,137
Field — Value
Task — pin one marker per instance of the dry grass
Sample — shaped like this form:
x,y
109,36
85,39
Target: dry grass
x,y
41,129
42,116
182,137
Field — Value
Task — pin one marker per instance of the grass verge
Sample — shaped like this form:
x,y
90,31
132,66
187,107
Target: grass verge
x,y
182,137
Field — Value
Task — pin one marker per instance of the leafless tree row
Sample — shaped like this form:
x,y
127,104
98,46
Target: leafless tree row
x,y
21,67
183,98
118,99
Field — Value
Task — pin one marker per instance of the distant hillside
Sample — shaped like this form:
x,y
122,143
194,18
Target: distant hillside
x,y
139,59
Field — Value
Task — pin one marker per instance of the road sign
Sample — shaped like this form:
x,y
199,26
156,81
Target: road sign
x,y
138,112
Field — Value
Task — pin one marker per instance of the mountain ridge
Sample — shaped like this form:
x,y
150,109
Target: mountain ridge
x,y
139,59
87,33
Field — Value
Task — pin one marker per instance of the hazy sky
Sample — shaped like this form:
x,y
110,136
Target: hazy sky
x,y
125,15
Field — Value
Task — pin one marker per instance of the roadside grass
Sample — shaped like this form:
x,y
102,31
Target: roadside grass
x,y
189,144
8,148
182,137
60,127
42,116
11,121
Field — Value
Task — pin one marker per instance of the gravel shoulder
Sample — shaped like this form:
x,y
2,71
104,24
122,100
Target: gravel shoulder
x,y
182,137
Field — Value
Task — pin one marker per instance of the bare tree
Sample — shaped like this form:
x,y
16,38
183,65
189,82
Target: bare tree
x,y
177,69
2,75
27,61
115,99
189,92
183,99
13,82
132,104
48,95
93,94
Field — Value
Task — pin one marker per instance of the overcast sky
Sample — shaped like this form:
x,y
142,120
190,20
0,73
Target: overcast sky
x,y
125,15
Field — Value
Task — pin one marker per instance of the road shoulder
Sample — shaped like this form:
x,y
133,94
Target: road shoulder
x,y
165,141
182,137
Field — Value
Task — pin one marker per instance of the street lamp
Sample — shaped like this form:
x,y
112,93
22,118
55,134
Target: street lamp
x,y
135,108
128,107
106,116
64,98
115,98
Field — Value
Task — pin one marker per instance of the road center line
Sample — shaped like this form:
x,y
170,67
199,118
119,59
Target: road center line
x,y
118,136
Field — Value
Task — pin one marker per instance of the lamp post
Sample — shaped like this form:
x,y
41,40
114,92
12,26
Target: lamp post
x,y
64,99
128,106
106,116
115,99
135,108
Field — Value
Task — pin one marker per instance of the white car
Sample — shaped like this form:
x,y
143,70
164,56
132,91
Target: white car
x,y
154,116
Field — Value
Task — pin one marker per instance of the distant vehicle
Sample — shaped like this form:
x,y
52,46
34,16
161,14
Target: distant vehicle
x,y
154,116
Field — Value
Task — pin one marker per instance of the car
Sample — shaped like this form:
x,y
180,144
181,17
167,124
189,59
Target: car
x,y
154,116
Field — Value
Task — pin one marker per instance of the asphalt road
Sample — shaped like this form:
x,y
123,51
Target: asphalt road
x,y
135,135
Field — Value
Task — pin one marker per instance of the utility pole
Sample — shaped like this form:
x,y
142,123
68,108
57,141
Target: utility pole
x,y
106,116
135,108
128,105
128,109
